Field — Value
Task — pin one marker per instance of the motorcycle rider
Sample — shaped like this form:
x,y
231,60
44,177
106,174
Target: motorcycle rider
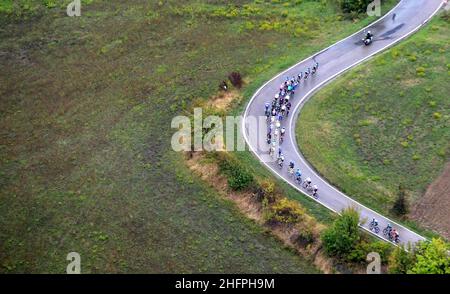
x,y
368,38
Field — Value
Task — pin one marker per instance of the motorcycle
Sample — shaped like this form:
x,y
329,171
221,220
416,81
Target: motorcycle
x,y
368,41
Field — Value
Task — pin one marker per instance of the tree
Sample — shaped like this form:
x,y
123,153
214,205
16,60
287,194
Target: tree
x,y
432,257
343,235
400,207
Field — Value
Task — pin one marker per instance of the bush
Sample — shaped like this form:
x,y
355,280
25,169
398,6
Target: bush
x,y
238,177
354,6
343,235
303,237
432,257
363,248
284,211
235,79
270,193
400,261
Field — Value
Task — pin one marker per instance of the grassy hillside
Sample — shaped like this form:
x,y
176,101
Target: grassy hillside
x,y
386,122
86,105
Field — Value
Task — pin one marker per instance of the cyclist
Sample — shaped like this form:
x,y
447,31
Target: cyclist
x,y
291,164
387,231
308,182
288,105
315,190
272,151
374,222
281,160
298,175
283,110
315,68
291,167
396,236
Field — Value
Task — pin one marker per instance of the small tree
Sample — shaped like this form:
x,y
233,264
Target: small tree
x,y
400,207
235,79
343,235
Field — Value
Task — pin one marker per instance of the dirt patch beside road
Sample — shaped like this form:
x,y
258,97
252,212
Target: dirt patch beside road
x,y
433,210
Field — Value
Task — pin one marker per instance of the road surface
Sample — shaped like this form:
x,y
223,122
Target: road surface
x,y
403,20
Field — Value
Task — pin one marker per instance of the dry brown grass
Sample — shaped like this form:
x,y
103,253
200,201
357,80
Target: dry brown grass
x,y
432,210
223,99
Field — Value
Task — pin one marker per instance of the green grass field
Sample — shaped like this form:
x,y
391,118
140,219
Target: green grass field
x,y
86,105
384,123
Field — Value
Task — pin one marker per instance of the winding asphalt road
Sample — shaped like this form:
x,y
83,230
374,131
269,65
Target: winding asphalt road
x,y
403,20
